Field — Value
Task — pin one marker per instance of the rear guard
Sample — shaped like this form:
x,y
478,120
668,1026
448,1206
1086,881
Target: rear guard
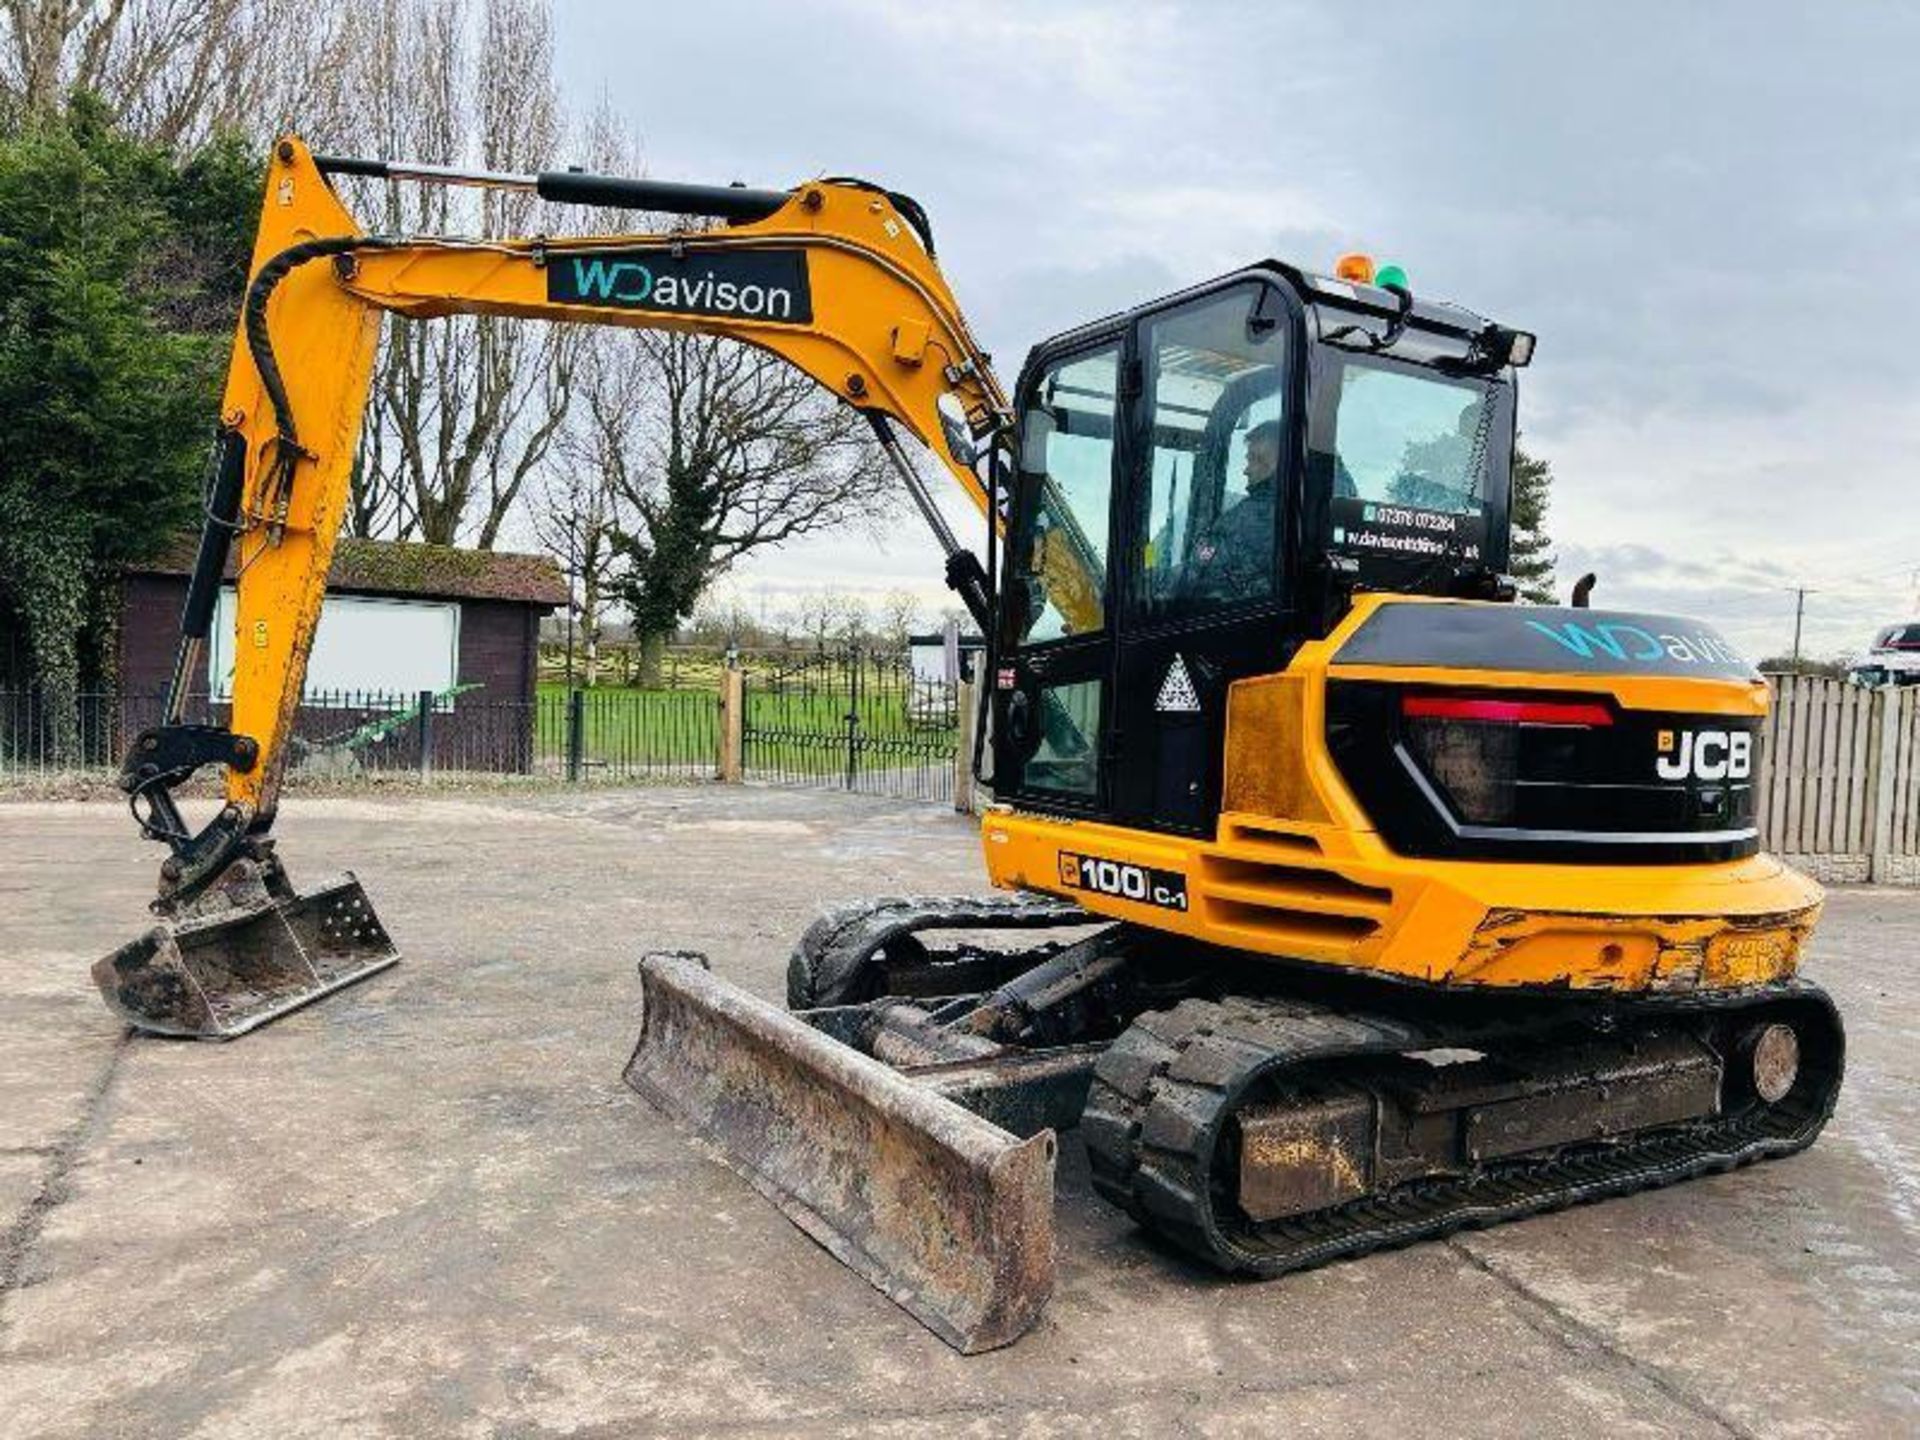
x,y
219,975
945,1213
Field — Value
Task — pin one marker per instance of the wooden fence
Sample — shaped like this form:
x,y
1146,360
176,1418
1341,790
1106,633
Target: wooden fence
x,y
1839,784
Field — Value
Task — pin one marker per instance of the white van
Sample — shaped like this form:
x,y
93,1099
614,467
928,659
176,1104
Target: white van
x,y
1894,658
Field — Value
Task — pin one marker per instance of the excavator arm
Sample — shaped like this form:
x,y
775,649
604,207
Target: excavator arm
x,y
838,278
833,278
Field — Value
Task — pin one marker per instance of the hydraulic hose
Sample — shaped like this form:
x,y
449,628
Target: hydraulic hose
x,y
254,312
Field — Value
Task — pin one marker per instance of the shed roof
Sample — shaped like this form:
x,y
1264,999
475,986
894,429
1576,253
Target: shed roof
x,y
399,567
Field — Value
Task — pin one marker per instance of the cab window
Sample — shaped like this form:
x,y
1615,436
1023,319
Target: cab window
x,y
1066,759
1411,440
1058,564
1215,375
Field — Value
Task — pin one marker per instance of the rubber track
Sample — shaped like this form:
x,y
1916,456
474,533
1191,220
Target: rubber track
x,y
1163,1093
837,946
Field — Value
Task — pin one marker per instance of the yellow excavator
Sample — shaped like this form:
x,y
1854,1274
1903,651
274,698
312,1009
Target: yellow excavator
x,y
1352,902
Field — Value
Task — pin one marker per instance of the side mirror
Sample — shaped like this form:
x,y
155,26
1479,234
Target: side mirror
x,y
954,426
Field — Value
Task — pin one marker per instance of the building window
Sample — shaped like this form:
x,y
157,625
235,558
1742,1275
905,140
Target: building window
x,y
364,646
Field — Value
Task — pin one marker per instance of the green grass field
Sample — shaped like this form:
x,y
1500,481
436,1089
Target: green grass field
x,y
802,730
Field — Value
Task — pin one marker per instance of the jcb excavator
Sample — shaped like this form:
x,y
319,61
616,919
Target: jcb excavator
x,y
1354,902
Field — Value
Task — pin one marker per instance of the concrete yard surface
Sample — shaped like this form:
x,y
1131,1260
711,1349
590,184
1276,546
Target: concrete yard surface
x,y
428,1205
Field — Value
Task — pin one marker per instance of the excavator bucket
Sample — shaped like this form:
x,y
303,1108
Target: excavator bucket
x,y
218,975
945,1213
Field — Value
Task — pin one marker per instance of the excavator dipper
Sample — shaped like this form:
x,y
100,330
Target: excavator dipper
x,y
1353,902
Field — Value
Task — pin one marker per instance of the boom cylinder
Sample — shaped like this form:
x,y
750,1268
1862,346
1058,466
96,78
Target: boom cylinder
x,y
577,187
964,574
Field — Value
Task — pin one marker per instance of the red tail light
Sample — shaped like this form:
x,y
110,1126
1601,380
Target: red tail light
x,y
1504,712
1472,745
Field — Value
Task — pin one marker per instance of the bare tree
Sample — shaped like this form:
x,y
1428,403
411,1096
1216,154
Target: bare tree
x,y
465,409
572,517
47,48
715,450
172,70
856,621
724,620
899,615
820,614
575,507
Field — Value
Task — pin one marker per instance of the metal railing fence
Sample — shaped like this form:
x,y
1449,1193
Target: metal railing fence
x,y
558,735
1837,789
855,720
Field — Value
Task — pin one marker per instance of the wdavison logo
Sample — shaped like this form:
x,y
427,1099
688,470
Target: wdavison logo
x,y
1622,640
1543,641
1704,754
748,285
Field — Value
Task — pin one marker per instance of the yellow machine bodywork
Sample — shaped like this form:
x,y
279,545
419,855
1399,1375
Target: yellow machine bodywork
x,y
287,539
1295,870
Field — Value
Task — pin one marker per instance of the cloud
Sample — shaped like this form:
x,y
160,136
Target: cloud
x,y
1705,214
1098,53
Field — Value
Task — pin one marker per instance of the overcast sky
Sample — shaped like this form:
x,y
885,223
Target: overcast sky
x,y
1710,213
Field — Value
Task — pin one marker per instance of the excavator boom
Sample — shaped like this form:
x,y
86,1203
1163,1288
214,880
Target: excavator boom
x,y
837,278
834,279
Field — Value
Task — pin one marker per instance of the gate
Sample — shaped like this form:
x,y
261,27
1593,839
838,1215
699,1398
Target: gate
x,y
858,720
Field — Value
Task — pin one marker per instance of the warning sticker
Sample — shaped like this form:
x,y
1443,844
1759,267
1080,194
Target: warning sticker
x,y
1177,695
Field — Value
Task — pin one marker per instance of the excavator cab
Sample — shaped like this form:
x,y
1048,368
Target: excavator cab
x,y
1201,485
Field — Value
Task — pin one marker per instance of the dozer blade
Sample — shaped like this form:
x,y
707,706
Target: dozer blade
x,y
220,975
945,1213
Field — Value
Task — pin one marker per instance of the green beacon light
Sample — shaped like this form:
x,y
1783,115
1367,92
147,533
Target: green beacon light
x,y
1392,277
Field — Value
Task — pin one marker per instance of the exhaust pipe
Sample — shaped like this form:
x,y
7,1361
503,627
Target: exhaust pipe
x,y
944,1213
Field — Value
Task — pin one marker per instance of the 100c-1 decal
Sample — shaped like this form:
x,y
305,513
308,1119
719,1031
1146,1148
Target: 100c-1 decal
x,y
1123,881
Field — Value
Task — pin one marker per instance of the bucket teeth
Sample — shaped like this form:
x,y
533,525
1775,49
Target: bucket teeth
x,y
945,1213
220,974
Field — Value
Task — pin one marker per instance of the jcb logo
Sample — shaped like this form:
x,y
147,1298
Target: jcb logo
x,y
1704,755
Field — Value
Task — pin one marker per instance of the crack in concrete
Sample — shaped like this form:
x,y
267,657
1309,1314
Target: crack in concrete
x,y
1599,1340
1189,1400
17,1243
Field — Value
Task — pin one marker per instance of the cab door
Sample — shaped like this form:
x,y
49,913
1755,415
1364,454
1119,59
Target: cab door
x,y
1214,456
1053,685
